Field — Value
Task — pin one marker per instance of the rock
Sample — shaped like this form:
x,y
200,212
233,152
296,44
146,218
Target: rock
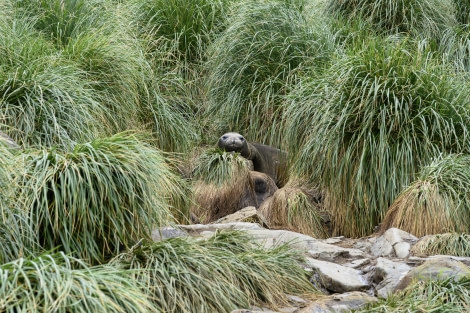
x,y
387,274
400,240
381,247
333,240
167,232
247,214
197,229
394,242
340,303
338,278
315,247
357,263
441,268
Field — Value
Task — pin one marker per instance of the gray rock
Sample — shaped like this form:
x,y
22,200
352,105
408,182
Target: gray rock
x,y
357,263
316,248
196,229
338,278
387,275
340,303
381,248
394,242
441,268
167,232
400,240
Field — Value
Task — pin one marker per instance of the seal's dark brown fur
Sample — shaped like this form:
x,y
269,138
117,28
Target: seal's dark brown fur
x,y
266,159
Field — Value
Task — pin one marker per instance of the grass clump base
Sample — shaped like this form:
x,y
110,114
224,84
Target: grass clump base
x,y
437,202
218,274
222,183
294,209
457,244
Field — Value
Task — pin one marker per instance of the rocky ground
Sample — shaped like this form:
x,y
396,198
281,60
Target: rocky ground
x,y
349,272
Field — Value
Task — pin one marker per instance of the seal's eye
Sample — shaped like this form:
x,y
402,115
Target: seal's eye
x,y
224,137
241,138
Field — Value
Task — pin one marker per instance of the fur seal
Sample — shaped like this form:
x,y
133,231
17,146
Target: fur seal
x,y
266,159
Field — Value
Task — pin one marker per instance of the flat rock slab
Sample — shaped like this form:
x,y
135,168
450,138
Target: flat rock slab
x,y
167,232
340,303
196,229
338,278
315,247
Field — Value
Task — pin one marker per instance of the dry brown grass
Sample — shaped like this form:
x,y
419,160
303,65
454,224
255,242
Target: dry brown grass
x,y
212,201
447,244
294,209
422,210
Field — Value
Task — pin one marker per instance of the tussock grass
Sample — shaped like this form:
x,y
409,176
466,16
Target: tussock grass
x,y
365,127
429,296
437,202
59,283
457,244
184,28
44,101
7,168
252,64
292,208
455,48
101,197
222,182
218,274
217,167
98,37
462,11
425,19
16,237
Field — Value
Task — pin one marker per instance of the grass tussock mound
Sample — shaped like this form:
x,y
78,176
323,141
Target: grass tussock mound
x,y
425,19
59,283
101,197
355,128
182,29
218,274
457,244
437,202
252,64
96,36
223,184
292,208
430,296
44,100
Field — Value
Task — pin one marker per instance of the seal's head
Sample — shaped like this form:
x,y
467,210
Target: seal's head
x,y
232,142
